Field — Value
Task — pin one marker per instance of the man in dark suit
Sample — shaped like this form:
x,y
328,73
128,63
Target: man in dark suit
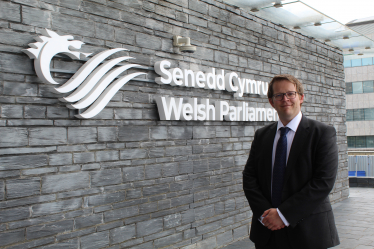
x,y
289,174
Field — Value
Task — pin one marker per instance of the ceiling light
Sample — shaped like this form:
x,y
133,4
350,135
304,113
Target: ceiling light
x,y
345,37
317,24
255,10
367,47
351,50
296,27
278,5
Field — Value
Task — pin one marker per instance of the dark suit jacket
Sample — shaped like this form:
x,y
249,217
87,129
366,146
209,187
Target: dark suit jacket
x,y
310,175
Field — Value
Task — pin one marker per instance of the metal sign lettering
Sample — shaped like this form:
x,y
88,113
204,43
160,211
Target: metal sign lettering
x,y
98,80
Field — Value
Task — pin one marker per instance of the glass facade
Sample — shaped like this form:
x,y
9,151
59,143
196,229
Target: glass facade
x,y
351,142
359,62
360,114
347,63
369,114
367,86
367,61
361,142
348,88
359,87
356,63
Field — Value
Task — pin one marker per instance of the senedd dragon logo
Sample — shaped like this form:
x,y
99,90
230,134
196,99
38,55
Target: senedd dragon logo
x,y
93,85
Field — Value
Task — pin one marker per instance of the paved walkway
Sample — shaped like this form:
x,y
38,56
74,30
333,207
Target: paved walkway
x,y
354,218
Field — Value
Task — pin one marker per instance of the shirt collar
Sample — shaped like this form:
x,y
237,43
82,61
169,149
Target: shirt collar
x,y
293,124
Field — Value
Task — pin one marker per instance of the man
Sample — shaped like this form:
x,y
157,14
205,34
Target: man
x,y
289,174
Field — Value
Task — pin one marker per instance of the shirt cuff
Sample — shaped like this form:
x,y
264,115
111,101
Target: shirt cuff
x,y
283,219
260,220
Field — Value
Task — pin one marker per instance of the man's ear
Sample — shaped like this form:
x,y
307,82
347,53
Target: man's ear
x,y
271,101
301,99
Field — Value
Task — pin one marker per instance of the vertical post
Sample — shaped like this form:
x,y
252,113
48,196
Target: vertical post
x,y
368,172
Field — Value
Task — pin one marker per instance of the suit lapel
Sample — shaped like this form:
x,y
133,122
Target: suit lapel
x,y
268,153
297,146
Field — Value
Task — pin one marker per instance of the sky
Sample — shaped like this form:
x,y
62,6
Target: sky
x,y
343,11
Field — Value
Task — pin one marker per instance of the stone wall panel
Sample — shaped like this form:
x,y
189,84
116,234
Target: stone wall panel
x,y
124,178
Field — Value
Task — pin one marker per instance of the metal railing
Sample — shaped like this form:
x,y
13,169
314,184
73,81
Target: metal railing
x,y
361,166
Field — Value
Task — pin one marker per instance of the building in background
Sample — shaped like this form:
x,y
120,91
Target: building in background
x,y
359,77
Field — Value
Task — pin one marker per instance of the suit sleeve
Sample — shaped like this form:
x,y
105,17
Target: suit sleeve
x,y
304,202
257,201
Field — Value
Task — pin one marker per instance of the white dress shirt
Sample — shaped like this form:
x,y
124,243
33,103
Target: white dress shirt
x,y
293,125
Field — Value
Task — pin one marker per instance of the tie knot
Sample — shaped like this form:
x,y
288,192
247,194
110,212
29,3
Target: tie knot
x,y
284,131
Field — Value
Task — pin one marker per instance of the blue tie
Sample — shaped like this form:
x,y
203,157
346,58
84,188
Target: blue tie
x,y
279,167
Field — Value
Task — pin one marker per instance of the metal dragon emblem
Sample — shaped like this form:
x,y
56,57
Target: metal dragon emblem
x,y
93,85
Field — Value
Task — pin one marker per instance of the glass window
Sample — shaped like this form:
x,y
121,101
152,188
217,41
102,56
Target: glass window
x,y
347,63
349,115
351,142
358,114
367,61
369,114
361,142
348,88
367,86
356,63
370,141
357,87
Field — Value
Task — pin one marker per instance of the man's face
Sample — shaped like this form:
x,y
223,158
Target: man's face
x,y
287,108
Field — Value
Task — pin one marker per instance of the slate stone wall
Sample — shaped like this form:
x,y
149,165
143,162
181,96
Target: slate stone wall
x,y
125,179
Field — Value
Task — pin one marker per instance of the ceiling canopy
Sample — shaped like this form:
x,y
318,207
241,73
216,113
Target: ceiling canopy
x,y
356,38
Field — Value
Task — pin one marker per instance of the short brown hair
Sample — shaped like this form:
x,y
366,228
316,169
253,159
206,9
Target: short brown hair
x,y
292,79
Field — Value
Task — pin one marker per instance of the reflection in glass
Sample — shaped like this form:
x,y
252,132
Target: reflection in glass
x,y
349,115
358,115
370,141
369,114
356,63
351,142
348,88
357,87
367,86
361,142
347,63
367,61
